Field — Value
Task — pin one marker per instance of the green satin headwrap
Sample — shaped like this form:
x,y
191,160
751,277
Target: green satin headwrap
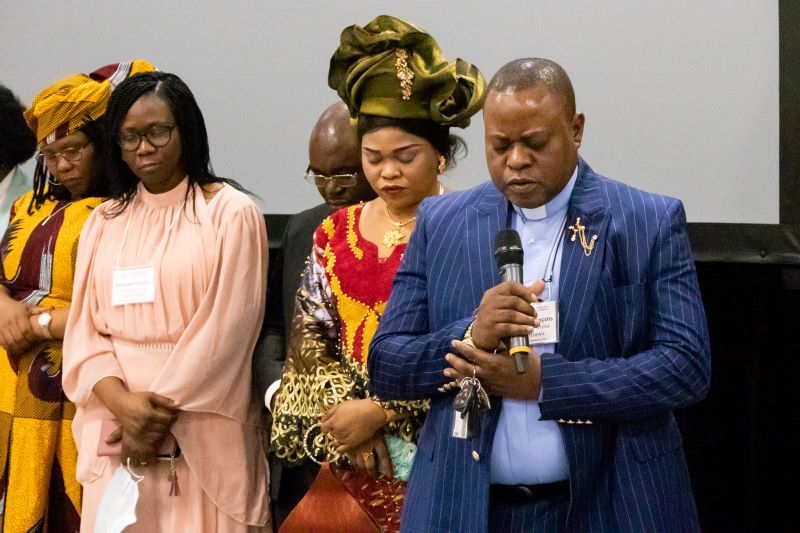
x,y
369,68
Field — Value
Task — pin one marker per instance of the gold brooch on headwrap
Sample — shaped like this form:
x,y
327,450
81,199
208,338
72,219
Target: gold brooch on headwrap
x,y
404,74
579,230
392,68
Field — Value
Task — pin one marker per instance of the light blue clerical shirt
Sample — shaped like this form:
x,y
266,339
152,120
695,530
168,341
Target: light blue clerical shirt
x,y
529,451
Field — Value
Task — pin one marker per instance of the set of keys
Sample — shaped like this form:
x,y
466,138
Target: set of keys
x,y
468,405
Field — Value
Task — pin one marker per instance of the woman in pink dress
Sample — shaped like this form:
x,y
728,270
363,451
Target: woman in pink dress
x,y
167,305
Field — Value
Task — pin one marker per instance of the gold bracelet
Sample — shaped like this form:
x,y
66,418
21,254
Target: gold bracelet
x,y
389,414
467,338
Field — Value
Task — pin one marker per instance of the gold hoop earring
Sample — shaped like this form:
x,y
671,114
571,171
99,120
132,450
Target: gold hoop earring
x,y
442,164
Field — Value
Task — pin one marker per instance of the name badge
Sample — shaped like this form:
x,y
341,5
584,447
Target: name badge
x,y
460,425
547,332
133,286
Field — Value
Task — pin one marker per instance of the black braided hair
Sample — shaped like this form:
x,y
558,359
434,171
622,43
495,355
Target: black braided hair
x,y
17,141
45,187
195,156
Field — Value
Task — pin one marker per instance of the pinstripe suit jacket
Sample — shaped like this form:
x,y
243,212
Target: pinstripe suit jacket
x,y
634,346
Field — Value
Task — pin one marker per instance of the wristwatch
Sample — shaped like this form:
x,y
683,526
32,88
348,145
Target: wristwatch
x,y
44,321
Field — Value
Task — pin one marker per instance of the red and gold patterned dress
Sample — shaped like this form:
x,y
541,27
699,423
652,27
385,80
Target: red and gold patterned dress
x,y
342,295
37,452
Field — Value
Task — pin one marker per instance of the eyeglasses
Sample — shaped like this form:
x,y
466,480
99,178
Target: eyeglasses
x,y
71,154
157,135
342,180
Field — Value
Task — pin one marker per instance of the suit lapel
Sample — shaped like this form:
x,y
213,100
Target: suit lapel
x,y
580,274
483,220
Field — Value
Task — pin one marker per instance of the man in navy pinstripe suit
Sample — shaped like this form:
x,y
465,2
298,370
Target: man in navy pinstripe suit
x,y
585,439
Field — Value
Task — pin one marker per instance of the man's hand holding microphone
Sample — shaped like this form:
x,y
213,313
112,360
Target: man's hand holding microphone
x,y
503,320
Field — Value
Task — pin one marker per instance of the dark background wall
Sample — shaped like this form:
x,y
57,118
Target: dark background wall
x,y
742,441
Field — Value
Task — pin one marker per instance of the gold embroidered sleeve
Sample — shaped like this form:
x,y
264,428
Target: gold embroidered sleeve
x,y
311,380
317,376
408,418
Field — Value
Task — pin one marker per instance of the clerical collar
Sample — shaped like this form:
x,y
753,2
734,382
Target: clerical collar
x,y
555,206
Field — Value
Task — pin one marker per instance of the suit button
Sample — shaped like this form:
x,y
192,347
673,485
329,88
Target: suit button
x,y
476,456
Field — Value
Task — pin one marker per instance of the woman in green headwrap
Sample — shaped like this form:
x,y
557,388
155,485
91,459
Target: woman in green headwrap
x,y
404,97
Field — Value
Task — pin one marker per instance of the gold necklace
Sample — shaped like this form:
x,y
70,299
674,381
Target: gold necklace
x,y
394,236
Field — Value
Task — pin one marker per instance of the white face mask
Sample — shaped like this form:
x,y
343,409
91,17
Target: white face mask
x,y
117,508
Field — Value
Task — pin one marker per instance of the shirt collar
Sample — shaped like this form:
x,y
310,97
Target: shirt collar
x,y
555,206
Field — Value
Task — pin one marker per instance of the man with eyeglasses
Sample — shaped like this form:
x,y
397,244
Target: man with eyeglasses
x,y
334,153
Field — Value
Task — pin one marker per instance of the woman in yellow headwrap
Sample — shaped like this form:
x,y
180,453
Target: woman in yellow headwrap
x,y
38,456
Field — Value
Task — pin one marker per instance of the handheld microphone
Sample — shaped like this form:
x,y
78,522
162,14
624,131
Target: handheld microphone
x,y
508,253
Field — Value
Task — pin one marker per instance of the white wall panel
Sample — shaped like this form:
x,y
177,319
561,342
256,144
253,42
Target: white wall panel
x,y
681,97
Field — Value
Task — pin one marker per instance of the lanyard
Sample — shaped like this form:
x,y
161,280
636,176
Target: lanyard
x,y
552,257
163,239
550,266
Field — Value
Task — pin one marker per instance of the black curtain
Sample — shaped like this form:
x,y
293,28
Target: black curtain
x,y
743,441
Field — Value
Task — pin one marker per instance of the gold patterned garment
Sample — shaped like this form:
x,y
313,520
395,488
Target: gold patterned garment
x,y
38,456
342,294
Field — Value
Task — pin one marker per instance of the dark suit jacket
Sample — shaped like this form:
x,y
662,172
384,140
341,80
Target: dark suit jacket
x,y
270,350
634,346
284,279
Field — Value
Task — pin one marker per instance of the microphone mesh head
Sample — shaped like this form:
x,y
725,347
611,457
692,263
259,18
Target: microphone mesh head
x,y
508,248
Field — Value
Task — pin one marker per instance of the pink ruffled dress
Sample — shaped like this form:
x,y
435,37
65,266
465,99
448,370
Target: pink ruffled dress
x,y
193,344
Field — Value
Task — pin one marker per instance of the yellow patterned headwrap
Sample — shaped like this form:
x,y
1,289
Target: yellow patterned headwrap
x,y
392,68
69,104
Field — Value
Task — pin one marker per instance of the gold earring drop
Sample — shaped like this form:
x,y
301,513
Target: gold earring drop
x,y
442,164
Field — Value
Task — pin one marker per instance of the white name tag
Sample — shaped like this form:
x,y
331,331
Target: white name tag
x,y
133,286
547,332
460,425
